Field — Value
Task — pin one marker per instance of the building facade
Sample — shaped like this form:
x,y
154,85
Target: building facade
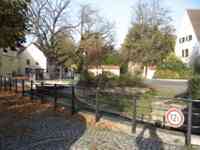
x,y
28,61
188,37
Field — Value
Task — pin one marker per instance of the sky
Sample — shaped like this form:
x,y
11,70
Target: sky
x,y
120,12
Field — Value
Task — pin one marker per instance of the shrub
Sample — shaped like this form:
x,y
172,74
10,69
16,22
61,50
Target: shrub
x,y
130,80
86,78
173,68
109,79
194,87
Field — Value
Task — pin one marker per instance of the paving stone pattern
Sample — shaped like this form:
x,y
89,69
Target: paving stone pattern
x,y
57,133
47,134
94,139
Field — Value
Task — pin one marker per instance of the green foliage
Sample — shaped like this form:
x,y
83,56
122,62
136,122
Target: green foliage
x,y
194,87
173,68
172,62
130,80
145,104
196,65
194,82
112,58
87,78
14,22
65,50
147,47
124,68
150,38
110,80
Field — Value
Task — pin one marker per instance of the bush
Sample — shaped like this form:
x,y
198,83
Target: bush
x,y
130,80
109,79
170,74
194,87
173,68
86,78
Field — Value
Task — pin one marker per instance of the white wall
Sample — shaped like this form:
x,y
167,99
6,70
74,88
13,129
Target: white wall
x,y
150,72
8,61
186,29
96,71
35,56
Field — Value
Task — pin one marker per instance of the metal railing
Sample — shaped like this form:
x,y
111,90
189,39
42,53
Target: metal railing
x,y
104,102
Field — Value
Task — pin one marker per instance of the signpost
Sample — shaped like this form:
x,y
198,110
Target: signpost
x,y
174,117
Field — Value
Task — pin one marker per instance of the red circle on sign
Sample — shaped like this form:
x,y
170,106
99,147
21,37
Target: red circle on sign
x,y
174,117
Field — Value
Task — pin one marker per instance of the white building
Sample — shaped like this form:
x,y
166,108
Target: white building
x,y
188,38
25,61
32,61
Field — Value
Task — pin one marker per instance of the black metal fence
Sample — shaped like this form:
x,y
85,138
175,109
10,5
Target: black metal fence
x,y
109,102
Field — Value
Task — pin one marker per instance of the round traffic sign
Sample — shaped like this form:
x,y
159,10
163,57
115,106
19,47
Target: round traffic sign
x,y
174,117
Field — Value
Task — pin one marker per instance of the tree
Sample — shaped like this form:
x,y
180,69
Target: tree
x,y
65,50
96,36
112,58
49,19
150,38
14,22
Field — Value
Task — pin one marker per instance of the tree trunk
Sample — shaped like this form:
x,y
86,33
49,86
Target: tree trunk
x,y
145,71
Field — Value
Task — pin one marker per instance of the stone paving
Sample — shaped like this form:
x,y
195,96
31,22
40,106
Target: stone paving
x,y
99,139
57,133
52,131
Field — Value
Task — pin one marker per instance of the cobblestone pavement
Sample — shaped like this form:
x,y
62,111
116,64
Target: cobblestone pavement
x,y
52,133
102,139
57,133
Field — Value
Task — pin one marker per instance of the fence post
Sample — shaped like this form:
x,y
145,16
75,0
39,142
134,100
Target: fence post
x,y
189,123
31,90
55,97
16,87
73,101
134,115
97,106
10,84
22,87
1,82
42,92
5,88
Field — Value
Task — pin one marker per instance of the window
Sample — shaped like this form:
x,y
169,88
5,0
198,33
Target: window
x,y
183,52
183,39
186,53
28,62
190,37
